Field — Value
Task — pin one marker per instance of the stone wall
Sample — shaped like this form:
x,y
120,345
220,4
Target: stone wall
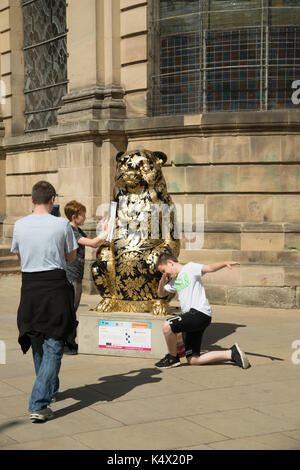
x,y
243,167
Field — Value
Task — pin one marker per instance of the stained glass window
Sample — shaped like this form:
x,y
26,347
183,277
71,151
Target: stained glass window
x,y
221,55
45,61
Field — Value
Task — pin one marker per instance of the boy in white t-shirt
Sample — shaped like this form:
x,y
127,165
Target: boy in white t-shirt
x,y
196,313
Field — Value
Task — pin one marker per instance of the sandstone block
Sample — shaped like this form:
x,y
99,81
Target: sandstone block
x,y
265,149
136,104
271,297
5,44
262,276
134,20
226,208
79,155
262,241
32,162
163,145
22,184
205,256
231,149
5,4
222,241
283,258
191,150
292,276
290,148
5,63
269,178
217,295
209,179
259,208
134,76
224,277
134,49
175,179
292,241
4,20
285,208
77,181
18,206
130,3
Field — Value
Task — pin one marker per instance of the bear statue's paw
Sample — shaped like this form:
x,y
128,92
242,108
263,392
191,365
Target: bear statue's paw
x,y
105,305
160,308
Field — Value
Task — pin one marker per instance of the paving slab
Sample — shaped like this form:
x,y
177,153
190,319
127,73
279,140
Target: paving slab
x,y
242,423
276,441
172,434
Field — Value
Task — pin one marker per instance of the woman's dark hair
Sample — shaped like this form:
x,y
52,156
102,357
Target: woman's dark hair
x,y
164,257
42,192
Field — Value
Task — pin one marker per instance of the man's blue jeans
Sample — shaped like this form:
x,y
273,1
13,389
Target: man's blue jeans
x,y
47,355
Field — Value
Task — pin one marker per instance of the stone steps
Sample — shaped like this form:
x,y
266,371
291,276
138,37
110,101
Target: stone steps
x,y
267,257
264,278
9,263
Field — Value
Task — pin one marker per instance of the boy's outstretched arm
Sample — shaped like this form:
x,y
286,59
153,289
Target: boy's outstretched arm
x,y
211,268
97,241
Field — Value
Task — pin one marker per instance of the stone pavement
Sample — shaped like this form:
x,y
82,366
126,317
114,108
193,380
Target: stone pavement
x,y
126,403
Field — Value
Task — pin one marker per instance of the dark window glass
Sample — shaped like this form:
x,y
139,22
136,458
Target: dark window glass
x,y
45,61
221,55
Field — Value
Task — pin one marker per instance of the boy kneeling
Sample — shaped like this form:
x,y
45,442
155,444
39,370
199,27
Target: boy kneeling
x,y
196,313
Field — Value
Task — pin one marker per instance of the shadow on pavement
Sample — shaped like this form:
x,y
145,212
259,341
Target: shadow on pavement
x,y
110,388
217,331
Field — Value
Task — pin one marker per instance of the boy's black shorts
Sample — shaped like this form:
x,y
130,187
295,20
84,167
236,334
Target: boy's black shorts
x,y
192,325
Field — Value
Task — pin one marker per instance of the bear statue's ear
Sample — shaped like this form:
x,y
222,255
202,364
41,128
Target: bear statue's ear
x,y
119,155
161,156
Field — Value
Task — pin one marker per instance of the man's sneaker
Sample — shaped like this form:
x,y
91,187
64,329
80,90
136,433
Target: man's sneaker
x,y
69,351
41,415
168,361
239,357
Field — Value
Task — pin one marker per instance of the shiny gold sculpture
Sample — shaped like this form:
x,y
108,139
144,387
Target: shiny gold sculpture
x,y
125,273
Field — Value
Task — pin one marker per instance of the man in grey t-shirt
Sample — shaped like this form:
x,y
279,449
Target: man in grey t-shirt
x,y
46,318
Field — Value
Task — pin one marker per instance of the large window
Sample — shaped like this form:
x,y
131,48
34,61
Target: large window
x,y
45,61
220,55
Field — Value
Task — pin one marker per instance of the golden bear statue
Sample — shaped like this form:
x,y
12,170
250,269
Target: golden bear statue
x,y
125,273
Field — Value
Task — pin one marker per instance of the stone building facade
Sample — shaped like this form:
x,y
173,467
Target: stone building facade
x,y
242,164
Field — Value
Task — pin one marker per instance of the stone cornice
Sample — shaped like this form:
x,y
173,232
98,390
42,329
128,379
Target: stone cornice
x,y
207,124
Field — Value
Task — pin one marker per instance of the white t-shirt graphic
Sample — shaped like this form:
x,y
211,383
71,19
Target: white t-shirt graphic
x,y
188,285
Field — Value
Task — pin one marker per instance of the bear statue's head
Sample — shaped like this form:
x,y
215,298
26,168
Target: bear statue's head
x,y
139,168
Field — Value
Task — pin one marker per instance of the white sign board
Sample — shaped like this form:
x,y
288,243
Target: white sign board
x,y
125,335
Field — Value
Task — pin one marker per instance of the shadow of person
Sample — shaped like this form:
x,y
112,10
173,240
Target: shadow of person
x,y
217,331
110,388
